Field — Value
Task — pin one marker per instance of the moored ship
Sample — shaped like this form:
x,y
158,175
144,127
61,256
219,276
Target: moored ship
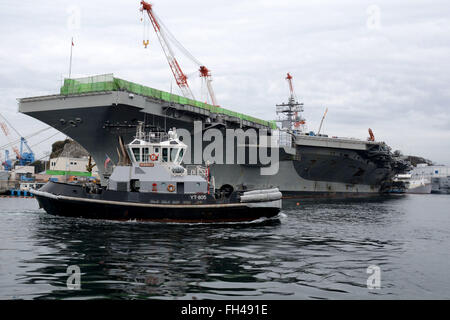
x,y
440,185
95,111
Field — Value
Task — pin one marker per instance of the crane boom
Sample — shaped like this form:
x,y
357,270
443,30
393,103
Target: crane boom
x,y
6,132
206,74
165,37
180,77
372,136
23,157
291,86
321,122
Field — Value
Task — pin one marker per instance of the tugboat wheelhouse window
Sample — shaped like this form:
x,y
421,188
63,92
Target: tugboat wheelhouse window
x,y
137,154
145,154
165,156
180,156
173,154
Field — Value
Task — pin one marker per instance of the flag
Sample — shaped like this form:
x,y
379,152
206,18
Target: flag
x,y
70,65
108,160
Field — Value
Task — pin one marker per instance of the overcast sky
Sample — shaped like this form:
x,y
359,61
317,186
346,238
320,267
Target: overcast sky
x,y
383,65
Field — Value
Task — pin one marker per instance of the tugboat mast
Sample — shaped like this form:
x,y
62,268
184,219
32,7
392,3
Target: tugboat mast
x,y
291,118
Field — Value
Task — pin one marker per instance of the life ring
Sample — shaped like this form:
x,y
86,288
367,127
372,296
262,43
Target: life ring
x,y
153,157
171,188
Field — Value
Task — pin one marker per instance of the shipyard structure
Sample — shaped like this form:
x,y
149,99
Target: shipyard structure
x,y
101,112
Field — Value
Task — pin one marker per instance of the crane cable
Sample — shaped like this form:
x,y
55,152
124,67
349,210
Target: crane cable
x,y
167,35
46,139
62,131
145,31
9,124
12,143
166,32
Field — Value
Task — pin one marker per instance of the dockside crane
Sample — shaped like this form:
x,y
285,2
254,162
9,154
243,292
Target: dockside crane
x,y
292,109
298,121
7,164
321,122
23,157
371,136
6,132
26,158
205,74
164,36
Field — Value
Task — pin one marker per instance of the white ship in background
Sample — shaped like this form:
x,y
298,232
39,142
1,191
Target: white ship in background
x,y
419,186
411,184
437,175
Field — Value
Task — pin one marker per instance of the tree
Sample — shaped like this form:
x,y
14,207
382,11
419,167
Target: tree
x,y
38,165
58,147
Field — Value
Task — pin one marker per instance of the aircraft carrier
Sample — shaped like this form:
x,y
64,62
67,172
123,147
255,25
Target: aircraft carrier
x,y
101,112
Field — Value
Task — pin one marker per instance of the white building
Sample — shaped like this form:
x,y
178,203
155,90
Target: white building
x,y
71,164
22,171
428,172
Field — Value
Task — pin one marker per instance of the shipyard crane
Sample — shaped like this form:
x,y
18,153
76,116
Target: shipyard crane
x,y
6,132
164,35
205,74
292,109
7,164
298,121
291,86
24,157
371,135
321,122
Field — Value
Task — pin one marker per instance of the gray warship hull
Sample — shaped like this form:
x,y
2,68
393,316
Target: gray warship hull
x,y
4,184
440,185
308,167
424,189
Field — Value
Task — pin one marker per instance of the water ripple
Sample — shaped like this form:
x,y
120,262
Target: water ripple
x,y
318,250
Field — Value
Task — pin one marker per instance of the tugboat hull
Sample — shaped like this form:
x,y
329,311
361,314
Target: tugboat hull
x,y
72,201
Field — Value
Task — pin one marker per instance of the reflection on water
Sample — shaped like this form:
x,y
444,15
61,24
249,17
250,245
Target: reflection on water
x,y
314,250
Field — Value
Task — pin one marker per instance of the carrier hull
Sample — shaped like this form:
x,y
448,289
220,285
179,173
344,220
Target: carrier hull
x,y
308,168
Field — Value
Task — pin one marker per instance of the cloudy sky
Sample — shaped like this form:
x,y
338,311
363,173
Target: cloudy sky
x,y
383,65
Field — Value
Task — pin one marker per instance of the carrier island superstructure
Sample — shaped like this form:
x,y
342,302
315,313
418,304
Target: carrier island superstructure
x,y
101,112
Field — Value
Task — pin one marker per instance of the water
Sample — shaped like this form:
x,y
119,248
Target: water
x,y
317,250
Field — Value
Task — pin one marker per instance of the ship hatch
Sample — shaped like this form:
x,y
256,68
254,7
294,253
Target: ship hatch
x,y
180,187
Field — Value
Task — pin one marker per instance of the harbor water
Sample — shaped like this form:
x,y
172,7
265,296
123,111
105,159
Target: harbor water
x,y
315,250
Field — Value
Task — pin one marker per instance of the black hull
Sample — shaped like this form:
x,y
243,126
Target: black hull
x,y
63,201
170,214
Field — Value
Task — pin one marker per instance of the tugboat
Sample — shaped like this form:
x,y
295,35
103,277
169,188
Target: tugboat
x,y
150,184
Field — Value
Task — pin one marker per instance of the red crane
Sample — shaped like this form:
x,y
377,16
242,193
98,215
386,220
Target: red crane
x,y
291,86
163,36
179,75
6,132
297,120
371,135
206,75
